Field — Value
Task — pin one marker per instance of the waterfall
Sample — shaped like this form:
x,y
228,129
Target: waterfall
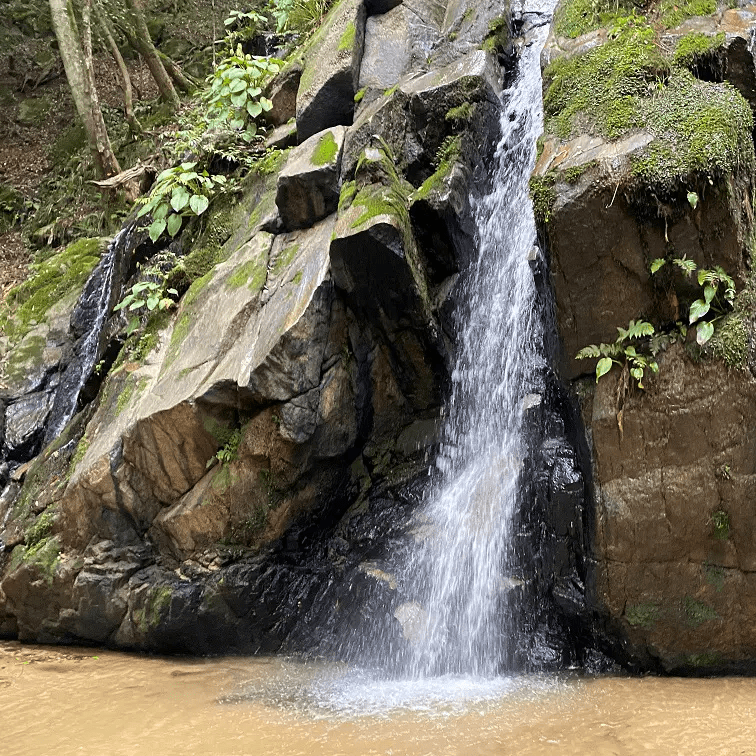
x,y
88,319
461,568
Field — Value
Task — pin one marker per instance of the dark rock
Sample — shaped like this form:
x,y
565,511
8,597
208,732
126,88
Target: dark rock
x,y
331,70
308,185
282,92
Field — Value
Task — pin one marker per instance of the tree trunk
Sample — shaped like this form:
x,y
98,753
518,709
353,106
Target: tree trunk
x,y
76,51
141,40
178,77
128,97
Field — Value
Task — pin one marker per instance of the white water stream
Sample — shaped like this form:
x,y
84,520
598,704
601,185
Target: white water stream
x,y
462,561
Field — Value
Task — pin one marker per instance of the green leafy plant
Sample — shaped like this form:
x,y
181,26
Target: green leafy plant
x,y
144,297
632,347
178,192
718,290
234,95
230,450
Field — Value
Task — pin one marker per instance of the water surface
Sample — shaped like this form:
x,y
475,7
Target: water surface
x,y
86,701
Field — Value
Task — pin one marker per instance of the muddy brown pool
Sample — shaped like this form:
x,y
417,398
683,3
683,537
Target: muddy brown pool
x,y
86,701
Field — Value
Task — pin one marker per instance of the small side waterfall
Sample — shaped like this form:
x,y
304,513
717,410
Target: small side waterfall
x,y
87,321
462,566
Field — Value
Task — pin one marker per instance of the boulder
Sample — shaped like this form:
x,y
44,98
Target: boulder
x,y
331,70
309,184
674,522
282,92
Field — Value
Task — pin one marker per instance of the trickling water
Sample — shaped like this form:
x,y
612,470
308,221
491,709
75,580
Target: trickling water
x,y
461,564
91,312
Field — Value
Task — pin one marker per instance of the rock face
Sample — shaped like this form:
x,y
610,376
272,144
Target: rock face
x,y
669,530
243,473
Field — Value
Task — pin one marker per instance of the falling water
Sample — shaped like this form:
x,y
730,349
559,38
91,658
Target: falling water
x,y
91,313
463,561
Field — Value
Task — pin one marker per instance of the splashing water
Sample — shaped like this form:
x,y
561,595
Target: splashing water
x,y
460,565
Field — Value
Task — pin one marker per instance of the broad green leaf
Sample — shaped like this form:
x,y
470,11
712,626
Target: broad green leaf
x,y
603,366
266,104
709,292
238,100
704,332
179,199
637,373
698,309
188,166
237,85
630,351
132,325
253,91
254,109
137,288
161,211
693,199
658,263
136,304
152,302
199,203
172,291
654,366
174,224
236,123
704,275
156,229
123,303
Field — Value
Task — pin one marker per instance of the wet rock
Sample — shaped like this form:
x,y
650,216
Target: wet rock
x,y
308,186
330,71
25,421
282,137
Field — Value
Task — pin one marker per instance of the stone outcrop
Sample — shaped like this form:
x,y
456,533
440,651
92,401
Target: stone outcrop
x,y
242,468
669,530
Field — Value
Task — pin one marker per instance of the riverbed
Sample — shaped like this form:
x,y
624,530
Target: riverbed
x,y
88,701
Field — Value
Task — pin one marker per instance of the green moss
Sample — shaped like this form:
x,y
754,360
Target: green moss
x,y
223,479
39,529
574,174
376,200
68,143
714,576
28,354
33,482
285,256
704,659
673,12
388,92
543,196
730,341
81,450
50,281
43,555
642,615
151,336
124,396
196,288
346,42
326,150
360,94
252,273
720,521
497,38
603,86
297,277
626,83
697,612
699,127
155,607
347,194
448,153
271,163
694,47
